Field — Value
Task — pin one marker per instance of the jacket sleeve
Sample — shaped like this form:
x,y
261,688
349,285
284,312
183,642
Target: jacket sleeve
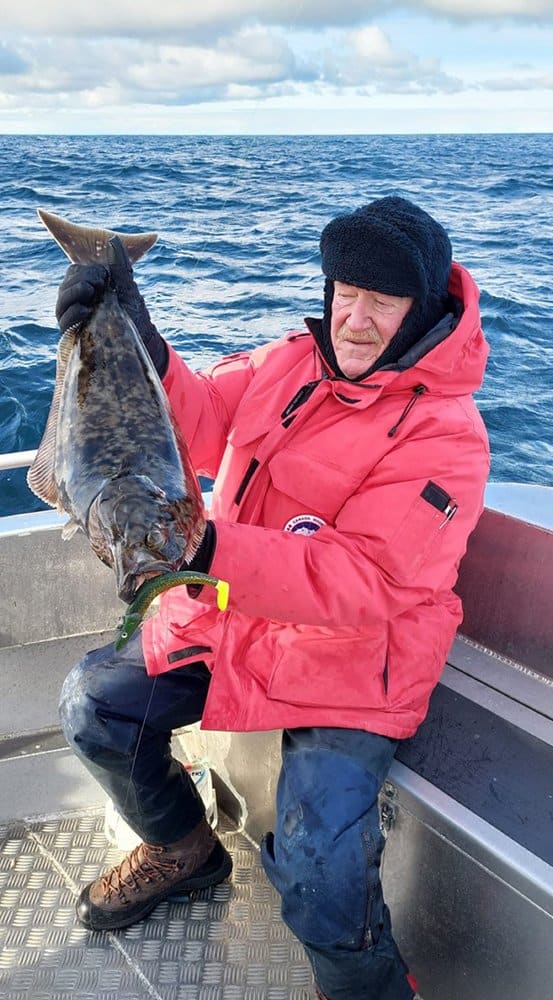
x,y
391,547
204,403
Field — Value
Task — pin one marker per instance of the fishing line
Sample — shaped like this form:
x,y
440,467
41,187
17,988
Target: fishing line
x,y
140,734
196,262
255,113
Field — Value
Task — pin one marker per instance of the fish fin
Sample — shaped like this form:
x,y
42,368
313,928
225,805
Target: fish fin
x,y
195,541
88,245
69,530
41,475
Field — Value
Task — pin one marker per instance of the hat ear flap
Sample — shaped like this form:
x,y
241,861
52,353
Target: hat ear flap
x,y
327,345
328,300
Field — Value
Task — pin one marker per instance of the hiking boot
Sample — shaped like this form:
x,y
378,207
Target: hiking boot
x,y
150,874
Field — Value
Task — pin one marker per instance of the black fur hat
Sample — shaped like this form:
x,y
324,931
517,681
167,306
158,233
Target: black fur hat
x,y
390,246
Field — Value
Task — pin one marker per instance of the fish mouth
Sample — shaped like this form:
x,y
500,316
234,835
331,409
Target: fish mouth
x,y
131,574
127,589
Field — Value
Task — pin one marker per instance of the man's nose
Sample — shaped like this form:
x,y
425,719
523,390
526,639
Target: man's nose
x,y
360,316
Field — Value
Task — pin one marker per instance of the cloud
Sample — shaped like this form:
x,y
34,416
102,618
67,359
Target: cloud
x,y
366,59
10,61
209,20
506,83
254,63
252,57
145,73
177,19
132,57
478,10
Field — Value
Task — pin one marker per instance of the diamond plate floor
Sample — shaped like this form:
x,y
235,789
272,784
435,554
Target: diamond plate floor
x,y
227,944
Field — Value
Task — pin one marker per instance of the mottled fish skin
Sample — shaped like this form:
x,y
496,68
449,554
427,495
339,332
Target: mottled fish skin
x,y
114,414
119,467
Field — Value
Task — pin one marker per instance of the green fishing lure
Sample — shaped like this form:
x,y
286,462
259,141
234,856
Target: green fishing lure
x,y
150,589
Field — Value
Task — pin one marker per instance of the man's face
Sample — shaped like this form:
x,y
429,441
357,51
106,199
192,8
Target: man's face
x,y
362,325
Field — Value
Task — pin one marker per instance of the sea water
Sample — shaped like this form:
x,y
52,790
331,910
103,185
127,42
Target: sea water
x,y
237,259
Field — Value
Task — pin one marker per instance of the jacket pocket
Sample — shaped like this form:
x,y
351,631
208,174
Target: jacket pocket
x,y
418,537
317,487
342,669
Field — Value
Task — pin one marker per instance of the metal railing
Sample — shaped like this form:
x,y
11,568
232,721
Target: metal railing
x,y
22,459
16,459
528,501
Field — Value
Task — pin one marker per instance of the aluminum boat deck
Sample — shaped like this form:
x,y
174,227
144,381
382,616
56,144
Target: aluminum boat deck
x,y
228,943
468,865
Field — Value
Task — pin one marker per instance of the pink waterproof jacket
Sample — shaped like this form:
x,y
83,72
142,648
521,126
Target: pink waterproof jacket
x,y
342,511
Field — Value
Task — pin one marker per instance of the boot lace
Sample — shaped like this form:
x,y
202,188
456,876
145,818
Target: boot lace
x,y
145,864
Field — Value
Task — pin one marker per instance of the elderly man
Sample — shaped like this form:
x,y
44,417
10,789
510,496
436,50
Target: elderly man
x,y
349,462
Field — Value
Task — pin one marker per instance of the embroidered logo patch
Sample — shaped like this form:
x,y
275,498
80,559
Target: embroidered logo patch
x,y
304,524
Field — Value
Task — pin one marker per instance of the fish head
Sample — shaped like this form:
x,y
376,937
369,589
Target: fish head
x,y
139,526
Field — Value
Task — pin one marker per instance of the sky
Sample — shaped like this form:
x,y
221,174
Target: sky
x,y
276,66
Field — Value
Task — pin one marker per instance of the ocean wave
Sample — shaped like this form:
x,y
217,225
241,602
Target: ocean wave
x,y
237,258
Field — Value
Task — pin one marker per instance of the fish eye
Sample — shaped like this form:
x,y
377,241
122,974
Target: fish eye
x,y
155,538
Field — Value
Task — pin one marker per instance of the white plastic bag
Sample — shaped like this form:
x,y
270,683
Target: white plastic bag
x,y
119,833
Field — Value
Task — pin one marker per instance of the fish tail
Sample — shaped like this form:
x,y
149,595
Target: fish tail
x,y
88,245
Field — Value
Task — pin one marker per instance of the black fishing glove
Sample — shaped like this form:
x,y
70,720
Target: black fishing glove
x,y
82,289
133,303
79,294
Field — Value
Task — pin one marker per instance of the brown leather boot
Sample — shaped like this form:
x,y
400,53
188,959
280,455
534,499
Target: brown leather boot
x,y
150,874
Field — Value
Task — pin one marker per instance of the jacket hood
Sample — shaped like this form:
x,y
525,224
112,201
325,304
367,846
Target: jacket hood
x,y
449,359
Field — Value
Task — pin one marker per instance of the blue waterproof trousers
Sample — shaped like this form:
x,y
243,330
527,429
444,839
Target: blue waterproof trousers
x,y
324,855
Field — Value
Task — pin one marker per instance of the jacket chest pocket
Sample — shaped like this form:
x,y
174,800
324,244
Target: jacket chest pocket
x,y
418,538
305,485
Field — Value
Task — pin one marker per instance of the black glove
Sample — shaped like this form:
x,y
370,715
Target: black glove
x,y
132,302
79,294
83,287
